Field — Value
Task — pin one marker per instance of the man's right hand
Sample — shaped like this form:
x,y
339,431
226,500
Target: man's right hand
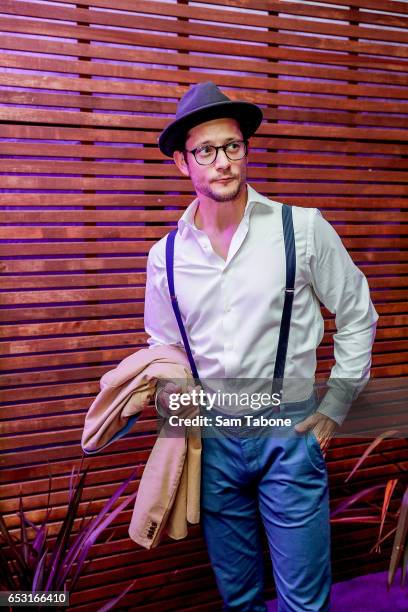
x,y
163,401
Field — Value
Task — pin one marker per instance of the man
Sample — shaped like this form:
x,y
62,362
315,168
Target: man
x,y
229,274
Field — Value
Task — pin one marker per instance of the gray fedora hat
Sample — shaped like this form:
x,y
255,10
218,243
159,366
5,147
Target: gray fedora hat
x,y
204,102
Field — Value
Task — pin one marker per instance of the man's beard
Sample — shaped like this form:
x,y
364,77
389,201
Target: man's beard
x,y
222,197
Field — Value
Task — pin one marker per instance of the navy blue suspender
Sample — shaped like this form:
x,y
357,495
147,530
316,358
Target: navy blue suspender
x,y
290,253
174,303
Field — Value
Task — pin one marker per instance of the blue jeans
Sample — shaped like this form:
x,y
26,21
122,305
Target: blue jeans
x,y
280,482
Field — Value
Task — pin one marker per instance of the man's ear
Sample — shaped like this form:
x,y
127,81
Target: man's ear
x,y
180,161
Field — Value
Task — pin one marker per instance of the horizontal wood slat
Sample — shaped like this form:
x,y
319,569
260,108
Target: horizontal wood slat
x,y
161,170
109,69
31,26
34,182
163,9
380,5
138,153
290,8
85,91
386,70
298,97
125,136
387,64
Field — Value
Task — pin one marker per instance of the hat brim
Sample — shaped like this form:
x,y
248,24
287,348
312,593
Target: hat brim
x,y
248,115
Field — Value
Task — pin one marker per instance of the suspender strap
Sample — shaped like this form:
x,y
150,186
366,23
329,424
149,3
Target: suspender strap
x,y
174,302
290,253
289,239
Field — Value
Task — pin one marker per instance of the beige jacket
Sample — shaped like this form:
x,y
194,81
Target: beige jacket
x,y
169,490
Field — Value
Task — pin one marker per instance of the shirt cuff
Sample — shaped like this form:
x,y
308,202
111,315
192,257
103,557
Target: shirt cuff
x,y
334,408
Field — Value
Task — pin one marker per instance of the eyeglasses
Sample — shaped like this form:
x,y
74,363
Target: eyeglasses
x,y
207,154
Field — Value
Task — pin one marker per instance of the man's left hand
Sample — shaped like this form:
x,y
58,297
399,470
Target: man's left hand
x,y
322,426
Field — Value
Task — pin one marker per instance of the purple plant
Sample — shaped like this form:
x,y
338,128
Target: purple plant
x,y
377,514
38,565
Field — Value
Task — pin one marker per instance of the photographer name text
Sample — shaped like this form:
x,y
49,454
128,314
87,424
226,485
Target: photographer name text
x,y
247,420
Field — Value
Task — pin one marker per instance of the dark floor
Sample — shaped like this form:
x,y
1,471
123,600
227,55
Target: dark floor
x,y
366,594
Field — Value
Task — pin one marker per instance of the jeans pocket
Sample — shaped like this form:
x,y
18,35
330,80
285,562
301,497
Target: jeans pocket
x,y
314,451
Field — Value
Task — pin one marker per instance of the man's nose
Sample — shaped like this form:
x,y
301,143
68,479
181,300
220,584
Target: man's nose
x,y
222,160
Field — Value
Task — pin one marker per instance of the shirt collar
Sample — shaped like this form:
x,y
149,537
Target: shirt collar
x,y
186,221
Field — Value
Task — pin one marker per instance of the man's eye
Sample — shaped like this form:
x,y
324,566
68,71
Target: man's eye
x,y
233,146
207,150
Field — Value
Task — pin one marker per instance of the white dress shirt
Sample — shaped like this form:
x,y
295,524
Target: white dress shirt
x,y
232,308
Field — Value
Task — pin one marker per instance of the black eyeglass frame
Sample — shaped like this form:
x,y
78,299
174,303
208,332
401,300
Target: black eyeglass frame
x,y
223,147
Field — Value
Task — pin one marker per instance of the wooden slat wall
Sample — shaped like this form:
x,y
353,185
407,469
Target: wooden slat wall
x,y
85,89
